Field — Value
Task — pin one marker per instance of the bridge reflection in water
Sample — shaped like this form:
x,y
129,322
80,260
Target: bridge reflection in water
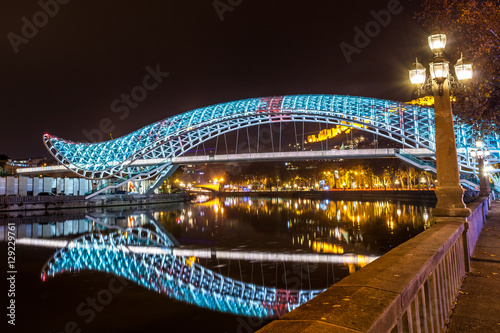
x,y
258,257
177,277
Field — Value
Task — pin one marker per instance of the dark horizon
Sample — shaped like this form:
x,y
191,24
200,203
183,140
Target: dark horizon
x,y
77,68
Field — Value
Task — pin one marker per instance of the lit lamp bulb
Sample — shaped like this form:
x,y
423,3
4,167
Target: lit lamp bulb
x,y
417,74
463,69
439,69
487,169
437,42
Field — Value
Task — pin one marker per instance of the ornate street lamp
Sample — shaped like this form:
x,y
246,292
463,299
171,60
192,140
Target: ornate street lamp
x,y
481,154
440,83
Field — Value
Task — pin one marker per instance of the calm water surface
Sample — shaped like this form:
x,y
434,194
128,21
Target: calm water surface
x,y
97,285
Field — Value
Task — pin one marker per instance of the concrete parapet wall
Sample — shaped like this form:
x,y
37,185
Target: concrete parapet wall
x,y
410,289
476,221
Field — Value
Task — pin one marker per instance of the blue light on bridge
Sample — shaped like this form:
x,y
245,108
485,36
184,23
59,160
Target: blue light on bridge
x,y
409,125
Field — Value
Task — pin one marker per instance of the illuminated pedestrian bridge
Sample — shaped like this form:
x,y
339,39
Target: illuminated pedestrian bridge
x,y
410,126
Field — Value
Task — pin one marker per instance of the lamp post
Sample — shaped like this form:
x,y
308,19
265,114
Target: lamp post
x,y
448,190
481,154
424,181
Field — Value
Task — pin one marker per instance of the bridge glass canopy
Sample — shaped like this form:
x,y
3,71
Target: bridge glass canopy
x,y
410,125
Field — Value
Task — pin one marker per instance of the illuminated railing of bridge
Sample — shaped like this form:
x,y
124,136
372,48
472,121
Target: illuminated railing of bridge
x,y
408,155
222,158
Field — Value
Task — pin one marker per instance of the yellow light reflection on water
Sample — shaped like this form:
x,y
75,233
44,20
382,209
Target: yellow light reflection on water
x,y
314,225
323,247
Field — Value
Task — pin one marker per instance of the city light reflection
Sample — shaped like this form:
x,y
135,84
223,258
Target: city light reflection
x,y
226,233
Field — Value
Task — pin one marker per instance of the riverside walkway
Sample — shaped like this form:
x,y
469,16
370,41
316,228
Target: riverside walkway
x,y
478,305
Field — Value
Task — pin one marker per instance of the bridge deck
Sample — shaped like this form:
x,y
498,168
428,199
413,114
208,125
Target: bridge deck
x,y
260,157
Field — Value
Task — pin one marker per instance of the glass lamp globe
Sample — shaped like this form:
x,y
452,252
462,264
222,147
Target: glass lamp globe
x,y
473,154
486,153
417,73
463,69
437,42
479,144
439,69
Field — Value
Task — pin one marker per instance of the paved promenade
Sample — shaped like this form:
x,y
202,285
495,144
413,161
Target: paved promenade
x,y
478,305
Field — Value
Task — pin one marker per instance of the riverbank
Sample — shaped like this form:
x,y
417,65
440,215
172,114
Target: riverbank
x,y
348,195
61,202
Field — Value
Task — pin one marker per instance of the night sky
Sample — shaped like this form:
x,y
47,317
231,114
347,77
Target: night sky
x,y
65,77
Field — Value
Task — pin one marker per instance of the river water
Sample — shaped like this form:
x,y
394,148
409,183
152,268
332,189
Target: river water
x,y
112,282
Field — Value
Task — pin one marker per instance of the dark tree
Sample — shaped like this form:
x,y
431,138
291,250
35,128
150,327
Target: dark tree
x,y
3,161
473,27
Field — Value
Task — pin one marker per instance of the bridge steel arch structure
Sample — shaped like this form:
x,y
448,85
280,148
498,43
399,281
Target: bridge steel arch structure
x,y
407,124
174,276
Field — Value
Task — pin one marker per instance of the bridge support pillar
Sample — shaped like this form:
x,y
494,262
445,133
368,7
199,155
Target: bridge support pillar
x,y
449,192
